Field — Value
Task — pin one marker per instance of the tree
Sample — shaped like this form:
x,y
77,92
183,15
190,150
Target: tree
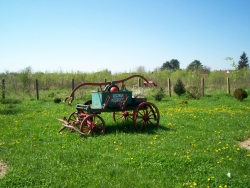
x,y
194,66
25,77
206,69
140,69
243,61
160,94
179,88
174,65
166,66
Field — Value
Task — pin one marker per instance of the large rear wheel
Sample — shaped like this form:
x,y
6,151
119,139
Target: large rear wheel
x,y
146,115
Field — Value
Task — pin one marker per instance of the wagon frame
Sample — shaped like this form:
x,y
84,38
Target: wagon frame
x,y
86,119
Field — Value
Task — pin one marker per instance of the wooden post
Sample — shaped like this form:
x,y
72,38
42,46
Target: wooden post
x,y
73,86
3,89
37,91
169,87
228,85
202,87
139,82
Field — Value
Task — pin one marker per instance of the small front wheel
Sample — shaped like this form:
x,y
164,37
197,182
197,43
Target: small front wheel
x,y
73,120
92,124
72,117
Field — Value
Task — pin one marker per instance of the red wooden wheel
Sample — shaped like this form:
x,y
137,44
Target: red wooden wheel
x,y
122,116
72,117
146,115
92,124
73,120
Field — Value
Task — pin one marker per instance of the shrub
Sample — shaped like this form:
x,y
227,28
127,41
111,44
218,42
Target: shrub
x,y
179,88
10,101
193,92
51,94
183,102
159,95
240,94
57,100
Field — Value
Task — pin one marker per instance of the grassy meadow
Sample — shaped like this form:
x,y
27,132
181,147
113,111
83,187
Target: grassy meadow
x,y
196,145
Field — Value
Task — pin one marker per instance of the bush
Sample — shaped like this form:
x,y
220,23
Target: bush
x,y
10,101
179,88
240,94
183,102
57,100
159,95
193,92
51,94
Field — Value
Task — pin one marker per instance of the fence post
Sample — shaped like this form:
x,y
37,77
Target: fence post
x,y
3,89
169,87
228,85
139,82
37,91
73,86
202,87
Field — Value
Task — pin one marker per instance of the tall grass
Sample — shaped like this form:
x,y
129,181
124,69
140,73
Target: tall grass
x,y
196,145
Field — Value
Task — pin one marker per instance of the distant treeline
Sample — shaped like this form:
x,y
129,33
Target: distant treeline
x,y
25,80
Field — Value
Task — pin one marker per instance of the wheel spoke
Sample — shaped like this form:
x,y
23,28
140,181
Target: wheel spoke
x,y
146,115
93,123
122,116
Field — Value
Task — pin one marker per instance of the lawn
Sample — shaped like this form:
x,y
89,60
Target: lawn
x,y
196,145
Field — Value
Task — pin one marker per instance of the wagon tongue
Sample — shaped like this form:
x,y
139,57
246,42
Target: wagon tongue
x,y
66,124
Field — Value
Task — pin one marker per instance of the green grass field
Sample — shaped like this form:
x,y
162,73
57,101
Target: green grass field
x,y
196,145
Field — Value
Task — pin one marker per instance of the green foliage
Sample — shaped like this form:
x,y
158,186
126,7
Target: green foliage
x,y
57,100
51,82
51,94
179,88
243,62
194,92
240,94
25,77
195,66
159,94
174,65
183,102
10,101
234,73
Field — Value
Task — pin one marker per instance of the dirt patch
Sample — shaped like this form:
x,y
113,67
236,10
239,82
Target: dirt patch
x,y
245,144
3,169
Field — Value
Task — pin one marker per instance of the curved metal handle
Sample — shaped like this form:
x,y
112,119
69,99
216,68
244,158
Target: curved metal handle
x,y
70,101
146,82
